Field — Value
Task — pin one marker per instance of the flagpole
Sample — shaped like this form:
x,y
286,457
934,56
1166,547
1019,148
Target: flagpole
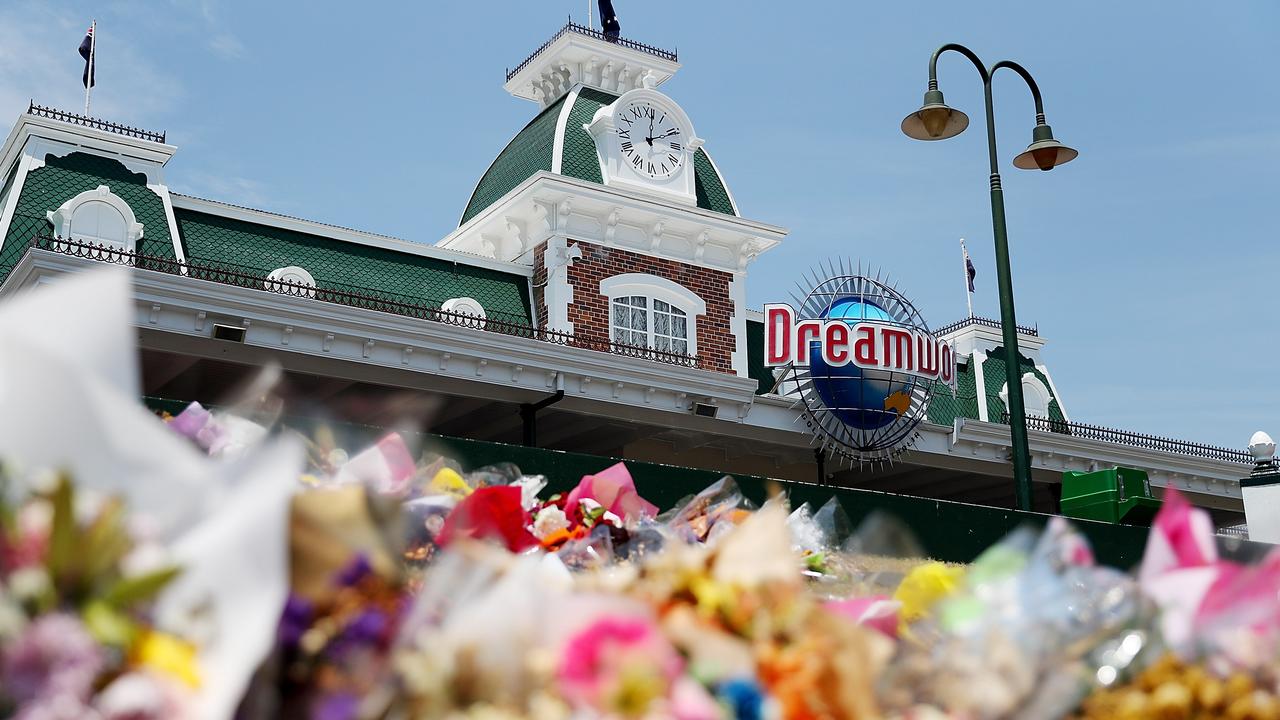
x,y
591,23
93,70
964,265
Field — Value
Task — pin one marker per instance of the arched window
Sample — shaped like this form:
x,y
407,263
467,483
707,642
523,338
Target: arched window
x,y
652,312
97,216
466,311
1035,396
291,280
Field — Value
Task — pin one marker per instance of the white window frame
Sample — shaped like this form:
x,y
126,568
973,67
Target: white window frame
x,y
62,217
1035,395
654,287
295,276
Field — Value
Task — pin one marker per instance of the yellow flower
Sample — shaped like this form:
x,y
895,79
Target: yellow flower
x,y
923,587
712,597
450,482
168,654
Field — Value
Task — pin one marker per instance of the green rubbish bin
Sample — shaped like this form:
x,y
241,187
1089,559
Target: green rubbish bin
x,y
1115,495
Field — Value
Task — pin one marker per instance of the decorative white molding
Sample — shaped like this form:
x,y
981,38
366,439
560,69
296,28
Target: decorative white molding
x,y
613,216
575,59
82,218
557,295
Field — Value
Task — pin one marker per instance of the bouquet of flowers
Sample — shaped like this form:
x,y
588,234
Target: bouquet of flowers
x,y
78,638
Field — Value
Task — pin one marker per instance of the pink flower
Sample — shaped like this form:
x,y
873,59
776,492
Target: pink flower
x,y
54,658
618,665
616,492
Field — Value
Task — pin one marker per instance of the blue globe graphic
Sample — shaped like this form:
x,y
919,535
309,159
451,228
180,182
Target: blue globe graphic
x,y
856,396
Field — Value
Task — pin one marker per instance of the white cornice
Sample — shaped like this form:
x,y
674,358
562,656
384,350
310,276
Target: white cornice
x,y
1059,452
547,205
334,232
575,58
28,126
187,306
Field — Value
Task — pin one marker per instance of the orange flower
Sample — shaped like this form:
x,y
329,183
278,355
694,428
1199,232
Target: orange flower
x,y
555,540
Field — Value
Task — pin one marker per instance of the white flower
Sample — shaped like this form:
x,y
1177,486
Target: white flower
x,y
28,583
549,520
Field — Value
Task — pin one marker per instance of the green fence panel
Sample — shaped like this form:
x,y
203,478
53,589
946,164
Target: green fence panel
x,y
955,532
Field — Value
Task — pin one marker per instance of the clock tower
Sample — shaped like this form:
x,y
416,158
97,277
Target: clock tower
x,y
632,235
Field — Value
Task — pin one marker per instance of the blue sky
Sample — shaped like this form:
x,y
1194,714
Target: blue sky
x,y
1148,263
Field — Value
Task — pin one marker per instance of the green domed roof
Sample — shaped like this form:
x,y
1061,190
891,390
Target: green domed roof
x,y
533,150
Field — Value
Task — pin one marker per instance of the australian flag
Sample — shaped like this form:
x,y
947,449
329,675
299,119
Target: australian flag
x,y
968,267
609,20
90,58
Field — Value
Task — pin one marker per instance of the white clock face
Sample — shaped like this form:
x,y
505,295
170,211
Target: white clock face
x,y
650,139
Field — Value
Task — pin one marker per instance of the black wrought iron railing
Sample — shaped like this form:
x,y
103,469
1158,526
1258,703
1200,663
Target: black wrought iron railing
x,y
1134,439
573,27
95,123
984,322
351,296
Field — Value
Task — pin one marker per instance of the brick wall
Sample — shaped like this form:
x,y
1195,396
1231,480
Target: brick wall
x,y
539,285
589,312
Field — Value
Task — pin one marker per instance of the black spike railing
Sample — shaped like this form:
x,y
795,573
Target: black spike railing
x,y
1134,439
351,296
95,123
573,27
1033,331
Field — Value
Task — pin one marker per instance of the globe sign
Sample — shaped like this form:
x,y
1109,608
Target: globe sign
x,y
861,362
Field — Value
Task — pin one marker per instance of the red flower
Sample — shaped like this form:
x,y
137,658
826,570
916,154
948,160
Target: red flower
x,y
491,513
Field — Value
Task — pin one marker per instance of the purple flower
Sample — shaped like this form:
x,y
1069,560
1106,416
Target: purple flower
x,y
357,570
338,706
294,621
54,657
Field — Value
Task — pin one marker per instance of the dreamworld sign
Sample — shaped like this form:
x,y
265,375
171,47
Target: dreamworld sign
x,y
861,360
869,345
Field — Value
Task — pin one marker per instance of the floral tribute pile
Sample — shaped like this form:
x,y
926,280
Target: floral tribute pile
x,y
217,564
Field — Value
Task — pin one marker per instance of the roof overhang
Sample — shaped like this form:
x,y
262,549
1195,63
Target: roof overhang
x,y
548,205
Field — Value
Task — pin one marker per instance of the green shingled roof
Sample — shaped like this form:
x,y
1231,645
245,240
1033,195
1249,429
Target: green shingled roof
x,y
533,148
345,265
61,179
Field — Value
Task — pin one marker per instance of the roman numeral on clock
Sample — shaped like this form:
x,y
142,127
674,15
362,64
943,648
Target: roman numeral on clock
x,y
637,161
624,134
677,147
675,160
626,146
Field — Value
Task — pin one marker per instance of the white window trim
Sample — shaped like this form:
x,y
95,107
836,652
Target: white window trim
x,y
1030,385
290,274
61,218
656,288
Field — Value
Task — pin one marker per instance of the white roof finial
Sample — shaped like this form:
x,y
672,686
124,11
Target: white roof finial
x,y
1262,447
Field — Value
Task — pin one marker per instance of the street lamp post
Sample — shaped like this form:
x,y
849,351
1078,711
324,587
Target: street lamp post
x,y
936,121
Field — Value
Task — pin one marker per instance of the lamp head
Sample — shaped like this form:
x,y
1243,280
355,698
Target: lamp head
x,y
934,120
1044,153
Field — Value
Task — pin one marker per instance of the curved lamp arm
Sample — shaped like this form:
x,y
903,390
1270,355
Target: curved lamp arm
x,y
1031,83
